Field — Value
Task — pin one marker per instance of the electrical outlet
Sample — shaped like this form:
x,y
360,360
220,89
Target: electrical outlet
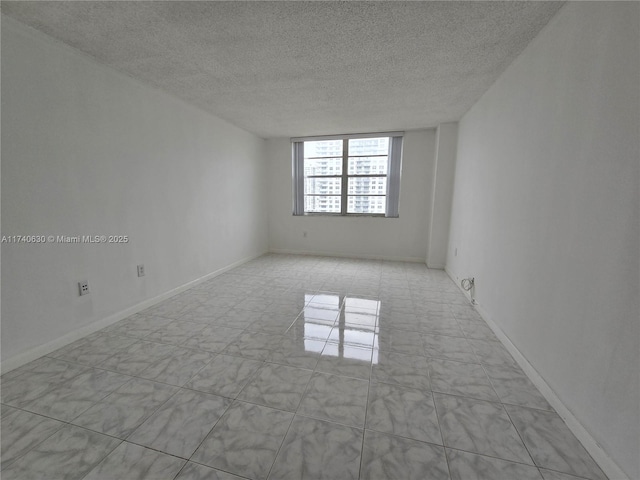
x,y
83,287
141,270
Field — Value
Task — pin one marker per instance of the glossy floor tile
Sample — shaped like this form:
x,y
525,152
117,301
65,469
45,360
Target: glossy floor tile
x,y
134,462
315,449
403,411
290,367
469,466
245,441
479,426
388,456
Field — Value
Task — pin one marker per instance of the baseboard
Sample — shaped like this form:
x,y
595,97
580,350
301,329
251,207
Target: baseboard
x,y
437,266
37,352
606,463
347,255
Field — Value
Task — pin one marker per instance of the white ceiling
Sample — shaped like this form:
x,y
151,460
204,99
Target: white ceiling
x,y
303,68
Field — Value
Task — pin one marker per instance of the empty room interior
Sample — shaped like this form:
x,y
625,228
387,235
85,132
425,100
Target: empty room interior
x,y
320,240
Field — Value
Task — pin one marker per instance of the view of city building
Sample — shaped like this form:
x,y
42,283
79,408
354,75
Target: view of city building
x,y
365,177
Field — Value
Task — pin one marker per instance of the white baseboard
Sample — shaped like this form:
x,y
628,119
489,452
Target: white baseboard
x,y
604,461
347,255
37,352
437,266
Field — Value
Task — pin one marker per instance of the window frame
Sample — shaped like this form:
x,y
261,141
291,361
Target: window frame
x,y
394,168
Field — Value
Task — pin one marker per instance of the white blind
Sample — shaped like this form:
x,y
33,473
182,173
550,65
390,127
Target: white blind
x,y
393,179
298,178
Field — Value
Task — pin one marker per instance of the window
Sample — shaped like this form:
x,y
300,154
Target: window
x,y
347,175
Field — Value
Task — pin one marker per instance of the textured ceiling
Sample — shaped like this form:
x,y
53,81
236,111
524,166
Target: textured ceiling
x,y
303,68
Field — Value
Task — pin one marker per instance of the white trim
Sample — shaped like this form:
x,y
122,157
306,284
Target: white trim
x,y
37,352
604,461
388,258
347,135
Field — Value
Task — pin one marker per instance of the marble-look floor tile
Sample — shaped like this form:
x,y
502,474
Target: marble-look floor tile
x,y
455,378
222,301
492,353
318,450
426,309
134,462
13,374
318,311
177,332
21,390
68,454
21,431
44,376
364,319
387,456
339,399
68,348
180,425
137,357
347,360
449,348
363,303
398,312
356,335
309,329
479,426
77,395
465,312
177,369
194,471
285,308
225,375
205,309
236,319
203,319
254,304
212,338
407,370
551,475
469,466
297,352
172,308
125,409
277,386
403,411
245,440
406,322
400,341
97,350
441,326
256,346
138,327
551,443
271,323
514,387
477,330
98,382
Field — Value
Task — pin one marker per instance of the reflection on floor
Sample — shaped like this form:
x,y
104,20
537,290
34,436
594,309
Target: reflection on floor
x,y
290,367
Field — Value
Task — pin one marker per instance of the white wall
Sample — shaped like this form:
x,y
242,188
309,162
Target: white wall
x,y
545,214
400,238
441,194
87,151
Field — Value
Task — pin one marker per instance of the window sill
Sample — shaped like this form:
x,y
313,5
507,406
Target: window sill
x,y
348,215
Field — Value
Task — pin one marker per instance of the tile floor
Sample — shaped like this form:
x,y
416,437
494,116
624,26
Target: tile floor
x,y
290,367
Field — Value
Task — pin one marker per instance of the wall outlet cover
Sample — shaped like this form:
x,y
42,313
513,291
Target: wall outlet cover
x,y
83,288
